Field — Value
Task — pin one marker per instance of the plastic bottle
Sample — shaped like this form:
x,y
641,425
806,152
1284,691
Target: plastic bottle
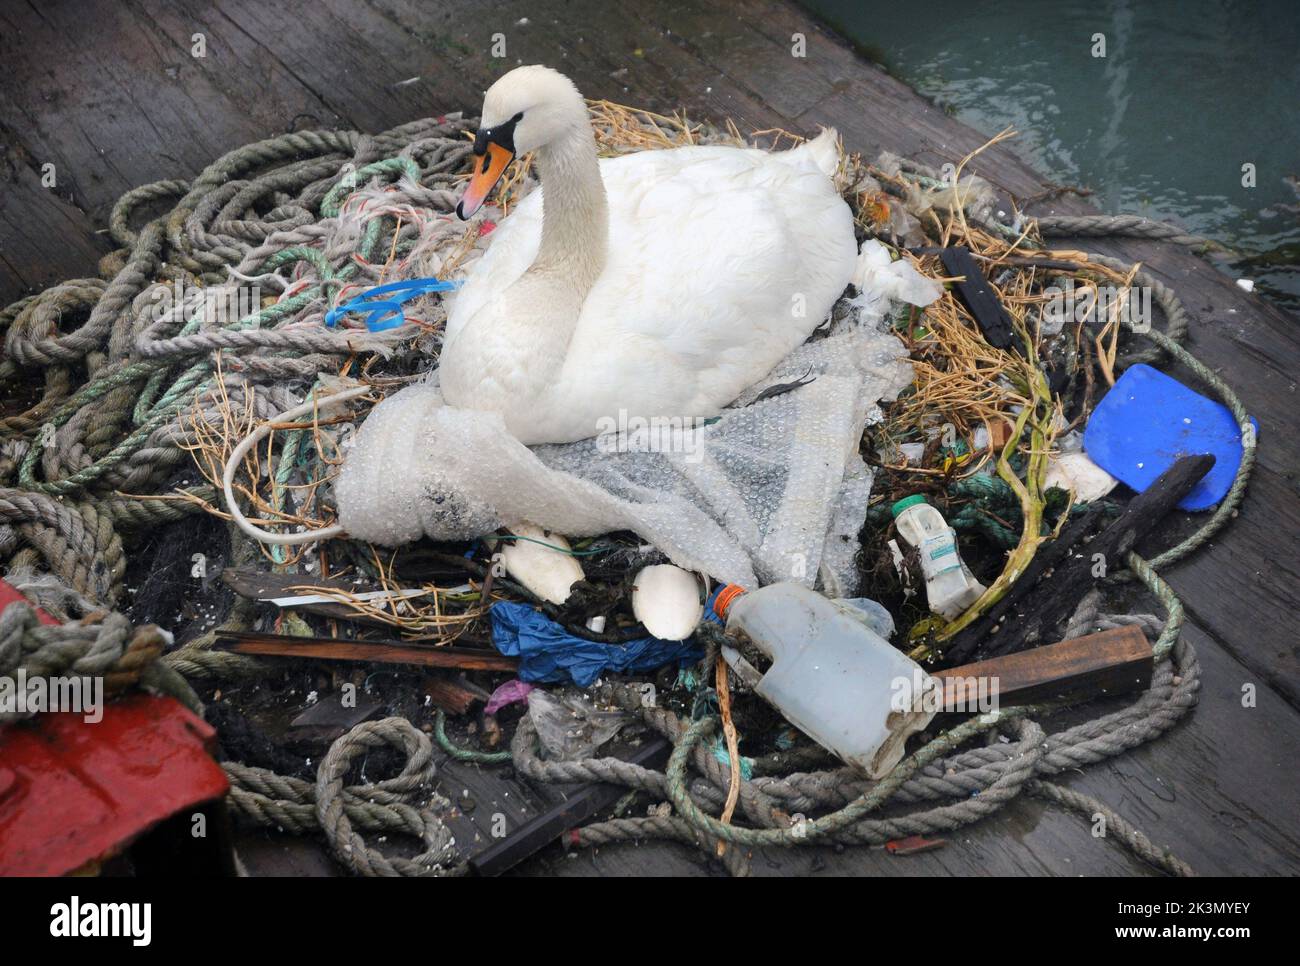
x,y
832,675
949,586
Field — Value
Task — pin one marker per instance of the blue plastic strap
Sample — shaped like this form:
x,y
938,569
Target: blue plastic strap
x,y
382,314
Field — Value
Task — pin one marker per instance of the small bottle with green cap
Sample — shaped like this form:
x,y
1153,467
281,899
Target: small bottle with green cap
x,y
950,587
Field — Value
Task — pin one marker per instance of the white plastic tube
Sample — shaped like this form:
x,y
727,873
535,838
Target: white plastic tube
x,y
256,436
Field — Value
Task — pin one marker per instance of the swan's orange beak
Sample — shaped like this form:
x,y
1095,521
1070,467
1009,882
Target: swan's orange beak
x,y
489,168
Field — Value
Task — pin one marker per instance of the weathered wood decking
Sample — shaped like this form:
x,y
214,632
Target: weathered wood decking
x,y
110,93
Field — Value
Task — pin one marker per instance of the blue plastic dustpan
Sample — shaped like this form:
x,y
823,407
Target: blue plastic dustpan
x,y
1148,421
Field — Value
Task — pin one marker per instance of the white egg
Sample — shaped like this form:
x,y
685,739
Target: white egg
x,y
669,601
542,562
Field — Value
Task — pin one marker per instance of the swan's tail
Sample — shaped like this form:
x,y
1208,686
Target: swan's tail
x,y
824,150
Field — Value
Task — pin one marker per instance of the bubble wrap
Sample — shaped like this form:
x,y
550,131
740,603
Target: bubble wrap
x,y
772,490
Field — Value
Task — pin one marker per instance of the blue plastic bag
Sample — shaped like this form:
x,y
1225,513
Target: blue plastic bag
x,y
548,653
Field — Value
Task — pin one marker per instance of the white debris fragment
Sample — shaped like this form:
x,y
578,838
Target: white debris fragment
x,y
879,278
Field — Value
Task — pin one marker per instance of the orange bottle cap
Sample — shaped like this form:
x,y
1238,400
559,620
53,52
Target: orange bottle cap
x,y
726,597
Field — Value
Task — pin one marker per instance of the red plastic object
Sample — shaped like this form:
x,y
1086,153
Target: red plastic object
x,y
10,596
72,792
913,844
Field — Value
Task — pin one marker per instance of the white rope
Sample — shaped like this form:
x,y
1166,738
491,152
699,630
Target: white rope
x,y
312,405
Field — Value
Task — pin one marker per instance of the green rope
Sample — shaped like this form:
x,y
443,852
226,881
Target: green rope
x,y
810,830
330,206
147,415
464,754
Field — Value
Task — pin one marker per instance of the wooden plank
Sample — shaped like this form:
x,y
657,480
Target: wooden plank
x,y
45,237
451,697
1108,662
330,649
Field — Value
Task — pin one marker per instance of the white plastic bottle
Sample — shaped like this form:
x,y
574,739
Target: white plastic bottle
x,y
949,586
833,676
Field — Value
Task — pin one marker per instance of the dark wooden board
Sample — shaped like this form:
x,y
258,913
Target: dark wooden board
x,y
108,92
1108,662
1040,607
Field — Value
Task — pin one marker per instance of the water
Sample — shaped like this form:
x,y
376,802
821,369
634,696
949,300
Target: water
x,y
1189,91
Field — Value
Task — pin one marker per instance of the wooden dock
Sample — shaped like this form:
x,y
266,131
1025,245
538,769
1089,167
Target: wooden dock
x,y
110,94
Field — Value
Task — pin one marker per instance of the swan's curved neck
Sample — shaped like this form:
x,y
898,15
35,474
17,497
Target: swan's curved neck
x,y
575,215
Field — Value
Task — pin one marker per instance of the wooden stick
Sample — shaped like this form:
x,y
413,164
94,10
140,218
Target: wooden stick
x,y
448,695
377,652
966,641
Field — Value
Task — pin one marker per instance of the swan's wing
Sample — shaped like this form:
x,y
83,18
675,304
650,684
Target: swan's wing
x,y
721,261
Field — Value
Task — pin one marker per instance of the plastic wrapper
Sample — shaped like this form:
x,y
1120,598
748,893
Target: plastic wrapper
x,y
548,653
772,489
569,726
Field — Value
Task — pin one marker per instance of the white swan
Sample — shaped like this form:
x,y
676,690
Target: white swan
x,y
662,283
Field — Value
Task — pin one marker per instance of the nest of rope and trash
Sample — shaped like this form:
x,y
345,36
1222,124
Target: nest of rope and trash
x,y
965,512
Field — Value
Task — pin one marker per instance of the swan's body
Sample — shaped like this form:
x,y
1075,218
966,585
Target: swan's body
x,y
662,283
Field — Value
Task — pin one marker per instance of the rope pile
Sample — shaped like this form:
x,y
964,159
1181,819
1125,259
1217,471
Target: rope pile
x,y
154,364
315,214
262,797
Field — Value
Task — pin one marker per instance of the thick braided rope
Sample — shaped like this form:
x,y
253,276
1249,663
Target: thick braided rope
x,y
107,648
305,340
107,436
32,340
343,812
77,540
1127,226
